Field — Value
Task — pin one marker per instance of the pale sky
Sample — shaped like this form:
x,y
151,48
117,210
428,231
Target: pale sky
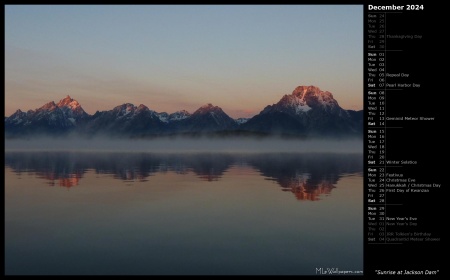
x,y
240,58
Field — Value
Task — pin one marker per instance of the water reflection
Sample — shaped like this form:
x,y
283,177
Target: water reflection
x,y
307,176
63,180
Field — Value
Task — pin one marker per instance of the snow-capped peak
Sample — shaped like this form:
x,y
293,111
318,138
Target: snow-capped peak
x,y
71,108
313,96
305,99
69,103
300,91
17,117
65,101
208,108
179,115
163,116
297,104
124,109
50,106
142,107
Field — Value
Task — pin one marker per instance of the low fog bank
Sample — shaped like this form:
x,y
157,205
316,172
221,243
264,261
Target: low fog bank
x,y
182,145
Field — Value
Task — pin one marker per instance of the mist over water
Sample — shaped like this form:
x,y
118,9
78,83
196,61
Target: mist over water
x,y
186,144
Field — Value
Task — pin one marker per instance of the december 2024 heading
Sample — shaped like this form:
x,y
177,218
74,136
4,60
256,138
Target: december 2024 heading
x,y
395,8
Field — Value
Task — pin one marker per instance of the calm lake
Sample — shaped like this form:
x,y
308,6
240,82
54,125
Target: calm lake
x,y
182,213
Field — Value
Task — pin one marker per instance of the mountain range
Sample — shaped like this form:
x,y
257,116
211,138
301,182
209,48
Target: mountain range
x,y
307,112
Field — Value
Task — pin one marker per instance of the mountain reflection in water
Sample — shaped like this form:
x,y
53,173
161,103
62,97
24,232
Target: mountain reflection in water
x,y
307,176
